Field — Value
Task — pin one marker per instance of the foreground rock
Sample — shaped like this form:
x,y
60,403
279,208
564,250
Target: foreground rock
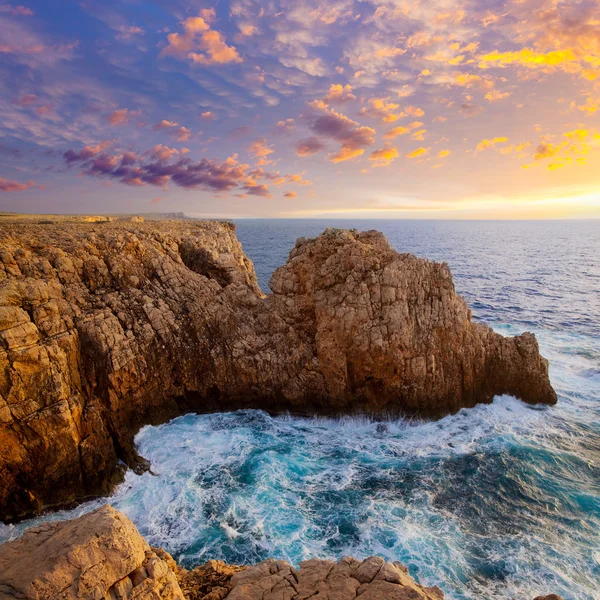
x,y
101,556
98,556
105,327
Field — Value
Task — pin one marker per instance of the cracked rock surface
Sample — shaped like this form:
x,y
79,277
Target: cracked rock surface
x,y
109,326
100,556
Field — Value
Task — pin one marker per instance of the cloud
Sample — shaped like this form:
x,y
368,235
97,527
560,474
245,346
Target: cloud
x,y
591,105
353,137
570,60
290,195
200,43
484,144
163,153
396,131
11,185
384,156
443,153
207,116
260,149
16,10
339,94
182,134
126,33
413,111
381,108
119,117
285,125
164,124
418,152
309,146
572,149
155,168
27,100
496,95
71,156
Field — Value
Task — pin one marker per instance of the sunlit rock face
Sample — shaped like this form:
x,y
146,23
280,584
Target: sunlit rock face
x,y
105,327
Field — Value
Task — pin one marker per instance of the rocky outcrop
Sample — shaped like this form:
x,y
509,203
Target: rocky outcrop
x,y
370,579
105,327
101,556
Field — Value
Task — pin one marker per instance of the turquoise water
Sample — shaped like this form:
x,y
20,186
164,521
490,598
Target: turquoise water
x,y
500,501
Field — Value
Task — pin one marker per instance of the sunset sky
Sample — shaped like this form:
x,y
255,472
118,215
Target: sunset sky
x,y
301,108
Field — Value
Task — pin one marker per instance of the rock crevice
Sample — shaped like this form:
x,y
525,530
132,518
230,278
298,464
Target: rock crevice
x,y
108,326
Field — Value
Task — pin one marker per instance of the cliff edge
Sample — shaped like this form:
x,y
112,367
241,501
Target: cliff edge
x,y
105,327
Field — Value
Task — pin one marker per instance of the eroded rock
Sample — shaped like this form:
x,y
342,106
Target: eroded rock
x,y
105,327
100,556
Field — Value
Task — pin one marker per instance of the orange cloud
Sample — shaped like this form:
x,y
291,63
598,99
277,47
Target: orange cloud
x,y
570,60
418,152
443,153
346,153
260,149
483,144
207,116
290,195
338,94
380,108
384,156
396,131
414,111
200,43
496,95
591,106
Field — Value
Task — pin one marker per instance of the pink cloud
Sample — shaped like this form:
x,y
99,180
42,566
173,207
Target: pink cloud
x,y
16,10
119,117
165,124
11,185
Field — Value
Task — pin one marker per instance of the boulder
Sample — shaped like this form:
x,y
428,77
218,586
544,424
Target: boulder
x,y
100,556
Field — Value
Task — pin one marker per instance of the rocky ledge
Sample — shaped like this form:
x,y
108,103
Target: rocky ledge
x,y
108,326
101,556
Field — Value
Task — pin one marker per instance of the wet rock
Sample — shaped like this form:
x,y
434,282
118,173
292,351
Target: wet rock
x,y
106,327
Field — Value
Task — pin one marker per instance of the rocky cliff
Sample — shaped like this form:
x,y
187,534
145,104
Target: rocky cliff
x,y
107,326
101,556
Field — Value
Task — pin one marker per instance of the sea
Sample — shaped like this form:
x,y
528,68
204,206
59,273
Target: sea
x,y
499,501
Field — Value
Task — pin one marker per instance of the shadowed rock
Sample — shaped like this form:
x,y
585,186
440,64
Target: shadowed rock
x,y
105,327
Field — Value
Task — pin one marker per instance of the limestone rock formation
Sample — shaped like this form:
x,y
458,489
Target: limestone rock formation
x,y
105,327
100,556
371,579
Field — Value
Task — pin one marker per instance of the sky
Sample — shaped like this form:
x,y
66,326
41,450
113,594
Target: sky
x,y
474,109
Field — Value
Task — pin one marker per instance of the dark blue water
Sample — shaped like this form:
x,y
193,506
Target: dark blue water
x,y
500,501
